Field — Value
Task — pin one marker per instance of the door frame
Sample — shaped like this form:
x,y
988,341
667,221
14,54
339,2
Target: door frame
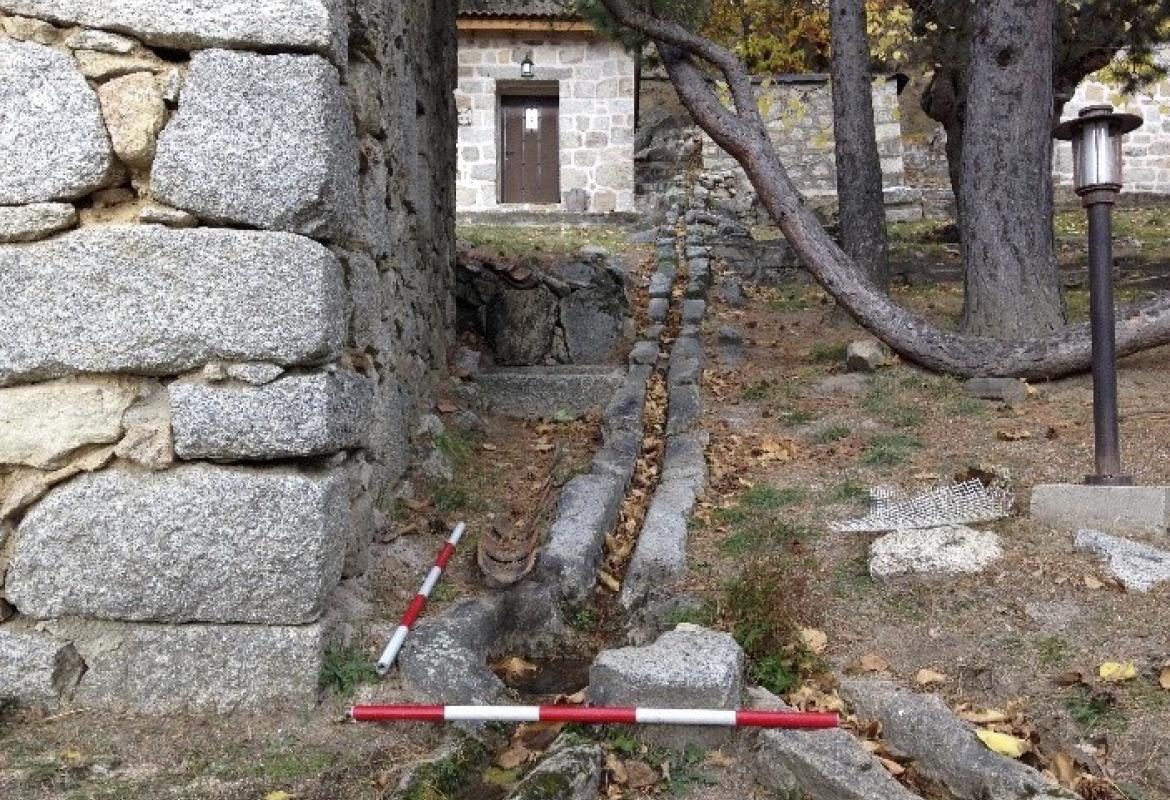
x,y
521,88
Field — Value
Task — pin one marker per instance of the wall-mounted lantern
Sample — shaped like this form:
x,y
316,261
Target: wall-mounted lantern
x,y
1096,143
527,68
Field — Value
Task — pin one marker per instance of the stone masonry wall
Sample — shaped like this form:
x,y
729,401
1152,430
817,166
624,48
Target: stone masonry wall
x,y
226,247
595,80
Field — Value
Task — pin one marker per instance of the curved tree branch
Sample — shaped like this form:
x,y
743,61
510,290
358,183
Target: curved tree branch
x,y
1139,326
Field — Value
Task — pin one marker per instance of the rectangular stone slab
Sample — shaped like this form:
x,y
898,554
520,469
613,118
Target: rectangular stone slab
x,y
317,25
1143,511
197,543
296,416
151,300
156,669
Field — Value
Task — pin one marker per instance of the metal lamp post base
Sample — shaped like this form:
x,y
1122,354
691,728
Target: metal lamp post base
x,y
1109,480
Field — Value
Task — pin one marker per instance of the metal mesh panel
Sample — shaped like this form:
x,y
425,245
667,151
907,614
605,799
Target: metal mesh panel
x,y
948,504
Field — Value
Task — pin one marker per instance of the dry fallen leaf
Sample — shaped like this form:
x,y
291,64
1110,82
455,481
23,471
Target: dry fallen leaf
x,y
640,774
927,677
446,407
1071,678
814,641
1164,678
717,758
279,794
983,717
514,668
893,767
1064,768
871,662
617,770
1116,671
1003,743
513,757
608,581
1013,435
1091,582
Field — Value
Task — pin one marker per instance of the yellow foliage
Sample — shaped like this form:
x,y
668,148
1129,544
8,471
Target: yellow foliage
x,y
1003,743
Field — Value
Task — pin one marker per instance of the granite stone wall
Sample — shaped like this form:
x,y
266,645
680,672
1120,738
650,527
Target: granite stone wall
x,y
595,84
226,288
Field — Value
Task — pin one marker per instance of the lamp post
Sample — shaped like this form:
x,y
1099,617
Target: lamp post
x,y
1096,142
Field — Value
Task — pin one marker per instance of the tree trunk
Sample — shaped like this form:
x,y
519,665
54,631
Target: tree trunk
x,y
859,171
1005,200
741,133
943,100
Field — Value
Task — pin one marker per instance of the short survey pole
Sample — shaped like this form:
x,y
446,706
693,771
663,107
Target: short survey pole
x,y
1096,141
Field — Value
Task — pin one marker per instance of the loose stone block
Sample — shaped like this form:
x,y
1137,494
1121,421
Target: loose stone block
x,y
950,550
265,141
944,747
688,667
209,669
36,670
567,773
41,425
134,112
152,300
100,41
587,511
192,544
823,764
866,355
1123,510
53,145
1011,391
660,557
36,221
1139,568
295,416
316,25
531,392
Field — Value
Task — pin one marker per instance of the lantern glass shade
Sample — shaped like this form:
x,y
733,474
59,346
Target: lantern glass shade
x,y
526,67
1097,157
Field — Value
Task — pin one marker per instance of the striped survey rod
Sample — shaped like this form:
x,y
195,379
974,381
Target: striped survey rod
x,y
590,715
416,605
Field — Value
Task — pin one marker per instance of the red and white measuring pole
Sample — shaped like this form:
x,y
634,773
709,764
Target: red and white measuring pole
x,y
420,600
742,718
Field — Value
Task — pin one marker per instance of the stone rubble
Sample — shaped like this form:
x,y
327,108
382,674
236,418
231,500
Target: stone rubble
x,y
867,355
35,221
950,550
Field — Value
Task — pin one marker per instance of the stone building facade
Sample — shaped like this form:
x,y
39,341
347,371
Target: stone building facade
x,y
587,82
226,242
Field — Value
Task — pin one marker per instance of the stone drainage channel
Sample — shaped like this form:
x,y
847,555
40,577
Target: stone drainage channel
x,y
445,659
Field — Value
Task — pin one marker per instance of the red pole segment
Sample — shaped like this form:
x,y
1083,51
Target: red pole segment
x,y
795,720
420,600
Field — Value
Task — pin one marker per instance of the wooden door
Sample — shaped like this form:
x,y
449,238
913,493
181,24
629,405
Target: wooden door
x,y
530,147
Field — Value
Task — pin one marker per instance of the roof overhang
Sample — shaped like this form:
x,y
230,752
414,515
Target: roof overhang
x,y
479,23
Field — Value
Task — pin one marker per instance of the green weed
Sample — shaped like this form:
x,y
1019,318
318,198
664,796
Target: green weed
x,y
760,390
822,353
889,450
832,433
1094,709
847,491
449,497
1051,651
344,669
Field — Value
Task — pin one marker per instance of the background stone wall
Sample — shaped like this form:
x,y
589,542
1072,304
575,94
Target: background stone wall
x,y
596,84
226,242
798,111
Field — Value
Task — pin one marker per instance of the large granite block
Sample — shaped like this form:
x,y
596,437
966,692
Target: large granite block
x,y
151,300
156,669
295,416
36,670
264,141
192,544
53,144
316,25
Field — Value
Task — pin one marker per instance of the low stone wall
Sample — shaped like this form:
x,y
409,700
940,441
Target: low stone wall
x,y
227,247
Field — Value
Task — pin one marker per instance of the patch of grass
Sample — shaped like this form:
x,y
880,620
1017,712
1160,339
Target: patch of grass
x,y
344,669
456,445
788,302
444,592
686,769
444,778
847,491
823,353
703,615
967,407
889,450
760,390
583,619
284,767
450,497
1051,651
903,417
769,497
766,605
1093,710
851,577
832,433
794,415
516,241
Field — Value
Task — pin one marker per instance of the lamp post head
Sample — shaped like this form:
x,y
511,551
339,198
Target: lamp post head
x,y
1096,141
527,68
